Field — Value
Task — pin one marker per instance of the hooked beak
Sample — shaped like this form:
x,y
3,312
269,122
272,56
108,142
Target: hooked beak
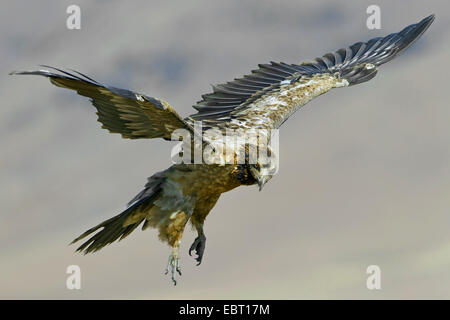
x,y
260,179
261,182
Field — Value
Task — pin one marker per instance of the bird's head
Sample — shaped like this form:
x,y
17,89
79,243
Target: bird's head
x,y
263,171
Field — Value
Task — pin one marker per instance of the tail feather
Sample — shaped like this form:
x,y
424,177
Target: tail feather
x,y
120,226
115,228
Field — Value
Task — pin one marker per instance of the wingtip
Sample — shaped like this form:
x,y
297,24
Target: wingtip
x,y
37,72
431,17
13,73
427,21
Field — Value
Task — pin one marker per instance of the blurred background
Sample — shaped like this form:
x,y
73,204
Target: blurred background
x,y
364,173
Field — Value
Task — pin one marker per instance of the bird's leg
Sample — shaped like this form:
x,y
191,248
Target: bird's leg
x,y
202,209
172,232
199,244
173,265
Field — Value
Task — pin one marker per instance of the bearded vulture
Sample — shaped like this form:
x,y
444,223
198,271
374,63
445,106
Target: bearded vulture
x,y
261,100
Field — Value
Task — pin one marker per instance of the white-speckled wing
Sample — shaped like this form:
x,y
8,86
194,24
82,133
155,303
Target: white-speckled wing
x,y
270,94
273,108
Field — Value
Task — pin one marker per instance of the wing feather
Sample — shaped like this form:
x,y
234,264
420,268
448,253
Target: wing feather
x,y
355,64
121,111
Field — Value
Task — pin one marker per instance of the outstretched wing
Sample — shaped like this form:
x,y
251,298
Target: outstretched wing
x,y
121,111
268,96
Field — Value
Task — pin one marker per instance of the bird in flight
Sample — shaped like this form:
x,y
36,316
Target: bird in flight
x,y
262,100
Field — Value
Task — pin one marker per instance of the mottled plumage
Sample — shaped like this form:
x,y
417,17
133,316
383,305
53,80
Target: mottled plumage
x,y
262,100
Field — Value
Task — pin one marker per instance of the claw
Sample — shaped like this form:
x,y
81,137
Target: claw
x,y
199,247
174,265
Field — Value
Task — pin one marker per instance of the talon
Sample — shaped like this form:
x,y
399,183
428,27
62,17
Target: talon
x,y
199,247
173,265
